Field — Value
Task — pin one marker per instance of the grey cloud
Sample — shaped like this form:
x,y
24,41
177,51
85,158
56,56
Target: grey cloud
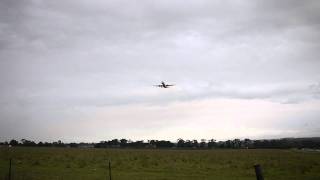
x,y
57,55
130,22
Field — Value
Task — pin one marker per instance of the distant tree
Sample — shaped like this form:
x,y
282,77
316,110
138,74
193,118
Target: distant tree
x,y
40,144
228,144
247,143
47,144
74,145
123,142
152,142
138,144
188,144
27,142
180,143
212,143
163,144
59,143
203,143
101,144
236,143
114,143
14,142
195,143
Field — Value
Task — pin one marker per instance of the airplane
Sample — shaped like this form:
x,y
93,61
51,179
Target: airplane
x,y
164,85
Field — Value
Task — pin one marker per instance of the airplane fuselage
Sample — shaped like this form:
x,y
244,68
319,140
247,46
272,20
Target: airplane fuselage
x,y
164,85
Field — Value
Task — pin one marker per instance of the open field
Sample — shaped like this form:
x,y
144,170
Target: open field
x,y
68,163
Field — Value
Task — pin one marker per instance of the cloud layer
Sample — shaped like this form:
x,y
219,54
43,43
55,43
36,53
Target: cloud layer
x,y
64,62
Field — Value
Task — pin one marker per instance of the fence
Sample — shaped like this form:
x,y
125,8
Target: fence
x,y
10,175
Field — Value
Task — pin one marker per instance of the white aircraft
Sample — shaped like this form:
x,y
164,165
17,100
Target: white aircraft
x,y
164,85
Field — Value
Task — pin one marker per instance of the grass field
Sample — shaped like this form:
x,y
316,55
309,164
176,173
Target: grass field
x,y
68,163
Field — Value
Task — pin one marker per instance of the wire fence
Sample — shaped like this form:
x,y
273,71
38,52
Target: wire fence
x,y
16,172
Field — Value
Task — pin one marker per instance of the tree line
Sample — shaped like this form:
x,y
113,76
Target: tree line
x,y
283,143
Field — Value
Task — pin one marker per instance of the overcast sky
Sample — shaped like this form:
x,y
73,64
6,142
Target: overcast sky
x,y
84,70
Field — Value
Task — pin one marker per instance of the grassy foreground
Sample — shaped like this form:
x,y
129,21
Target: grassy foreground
x,y
67,163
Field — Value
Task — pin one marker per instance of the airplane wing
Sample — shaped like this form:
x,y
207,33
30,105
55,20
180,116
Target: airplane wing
x,y
170,84
158,85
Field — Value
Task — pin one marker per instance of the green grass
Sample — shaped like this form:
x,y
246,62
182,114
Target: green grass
x,y
68,163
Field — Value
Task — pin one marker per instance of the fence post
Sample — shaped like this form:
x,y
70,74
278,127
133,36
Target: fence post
x,y
9,176
109,170
258,170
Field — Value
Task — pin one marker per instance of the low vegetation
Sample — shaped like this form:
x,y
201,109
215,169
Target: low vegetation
x,y
41,163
